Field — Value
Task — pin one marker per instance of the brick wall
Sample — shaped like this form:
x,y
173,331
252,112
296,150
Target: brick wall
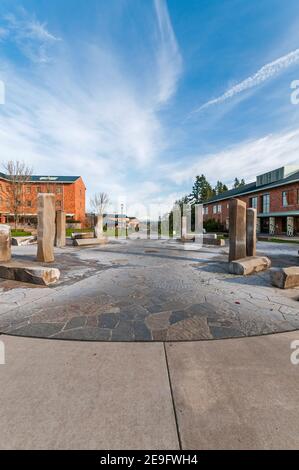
x,y
276,202
69,197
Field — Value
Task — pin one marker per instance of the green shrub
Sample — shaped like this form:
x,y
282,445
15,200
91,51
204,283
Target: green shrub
x,y
212,225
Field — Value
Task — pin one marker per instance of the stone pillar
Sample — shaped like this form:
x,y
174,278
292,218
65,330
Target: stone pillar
x,y
98,230
184,227
290,226
258,225
177,221
237,230
251,232
165,226
60,229
45,227
198,216
5,242
271,225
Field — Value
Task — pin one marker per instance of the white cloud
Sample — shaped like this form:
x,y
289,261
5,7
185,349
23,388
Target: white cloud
x,y
3,33
97,123
265,73
244,160
168,56
31,37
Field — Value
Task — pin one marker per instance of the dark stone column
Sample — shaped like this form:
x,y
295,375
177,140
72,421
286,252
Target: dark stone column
x,y
237,230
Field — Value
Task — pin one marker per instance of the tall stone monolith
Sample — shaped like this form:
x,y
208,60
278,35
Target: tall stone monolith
x,y
184,226
251,232
237,230
98,229
5,242
60,235
45,227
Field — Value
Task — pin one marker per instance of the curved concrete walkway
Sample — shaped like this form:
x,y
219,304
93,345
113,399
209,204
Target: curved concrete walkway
x,y
232,394
145,291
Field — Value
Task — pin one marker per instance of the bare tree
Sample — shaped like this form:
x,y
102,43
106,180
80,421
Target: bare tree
x,y
18,173
99,203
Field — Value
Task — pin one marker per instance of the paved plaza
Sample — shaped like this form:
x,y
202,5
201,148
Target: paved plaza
x,y
147,290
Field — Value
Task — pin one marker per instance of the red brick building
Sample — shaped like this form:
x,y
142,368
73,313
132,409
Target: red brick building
x,y
275,195
69,196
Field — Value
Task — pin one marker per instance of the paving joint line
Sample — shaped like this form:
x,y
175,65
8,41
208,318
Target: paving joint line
x,y
172,399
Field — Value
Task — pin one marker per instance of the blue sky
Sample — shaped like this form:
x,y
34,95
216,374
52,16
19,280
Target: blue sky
x,y
139,96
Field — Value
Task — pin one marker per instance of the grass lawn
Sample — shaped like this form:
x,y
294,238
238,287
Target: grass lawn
x,y
19,233
279,240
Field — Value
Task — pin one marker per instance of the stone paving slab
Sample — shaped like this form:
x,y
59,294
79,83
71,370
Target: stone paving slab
x,y
236,393
134,292
82,395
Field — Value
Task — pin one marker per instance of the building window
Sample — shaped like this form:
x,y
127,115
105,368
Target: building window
x,y
297,196
253,202
28,203
38,189
266,203
58,190
219,209
28,189
214,209
206,210
285,198
58,203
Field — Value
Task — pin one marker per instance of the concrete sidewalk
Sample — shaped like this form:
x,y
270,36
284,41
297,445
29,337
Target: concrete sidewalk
x,y
58,394
237,393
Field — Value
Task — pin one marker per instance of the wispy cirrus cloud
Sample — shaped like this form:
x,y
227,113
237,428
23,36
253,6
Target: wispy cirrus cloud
x,y
244,160
30,35
91,120
263,74
168,55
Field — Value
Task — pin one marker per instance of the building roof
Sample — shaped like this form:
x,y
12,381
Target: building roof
x,y
253,187
46,178
54,179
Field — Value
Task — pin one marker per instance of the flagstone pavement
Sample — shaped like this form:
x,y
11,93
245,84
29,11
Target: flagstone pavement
x,y
144,290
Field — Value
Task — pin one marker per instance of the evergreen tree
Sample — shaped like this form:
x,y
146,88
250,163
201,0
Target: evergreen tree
x,y
238,183
182,201
201,190
220,188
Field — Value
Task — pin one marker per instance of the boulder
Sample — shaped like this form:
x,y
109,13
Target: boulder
x,y
187,239
214,236
90,241
5,242
82,235
285,278
21,241
249,265
39,275
213,241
